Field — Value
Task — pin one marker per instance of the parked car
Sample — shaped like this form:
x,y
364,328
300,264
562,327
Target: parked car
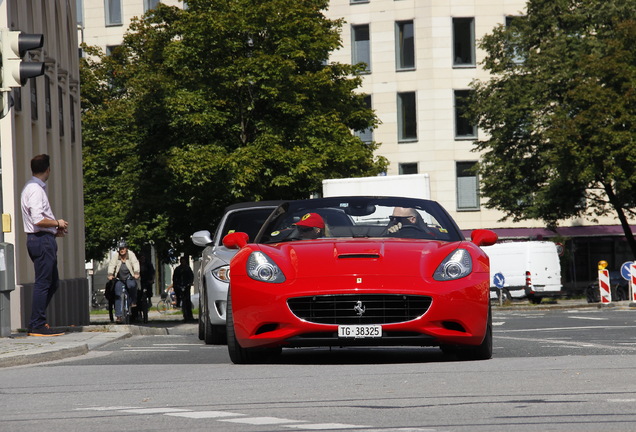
x,y
524,269
619,288
213,275
372,279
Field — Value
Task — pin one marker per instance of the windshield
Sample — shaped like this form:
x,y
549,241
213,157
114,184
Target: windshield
x,y
247,220
353,217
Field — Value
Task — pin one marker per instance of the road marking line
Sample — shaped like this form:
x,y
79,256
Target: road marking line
x,y
108,408
163,410
205,414
569,343
262,420
498,323
589,318
326,426
534,330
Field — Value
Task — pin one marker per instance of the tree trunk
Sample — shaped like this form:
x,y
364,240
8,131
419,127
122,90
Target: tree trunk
x,y
621,216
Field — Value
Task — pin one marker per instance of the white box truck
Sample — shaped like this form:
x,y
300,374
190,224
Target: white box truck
x,y
528,268
407,185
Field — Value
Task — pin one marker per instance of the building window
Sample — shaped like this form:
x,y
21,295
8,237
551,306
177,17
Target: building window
x,y
72,117
34,100
464,129
60,95
405,45
517,58
47,102
467,186
150,4
17,98
407,117
111,49
361,46
464,42
366,136
408,168
112,10
79,10
358,1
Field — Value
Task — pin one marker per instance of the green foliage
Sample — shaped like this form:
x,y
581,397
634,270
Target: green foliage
x,y
559,112
223,102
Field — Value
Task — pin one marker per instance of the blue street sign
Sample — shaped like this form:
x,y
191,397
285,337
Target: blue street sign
x,y
499,280
626,270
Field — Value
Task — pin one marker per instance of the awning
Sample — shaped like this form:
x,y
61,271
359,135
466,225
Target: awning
x,y
572,231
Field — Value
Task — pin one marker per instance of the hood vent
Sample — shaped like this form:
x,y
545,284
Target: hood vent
x,y
360,255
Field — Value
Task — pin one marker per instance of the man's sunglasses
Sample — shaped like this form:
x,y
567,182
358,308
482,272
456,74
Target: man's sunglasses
x,y
399,218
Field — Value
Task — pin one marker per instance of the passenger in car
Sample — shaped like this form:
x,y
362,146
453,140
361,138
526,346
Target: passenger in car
x,y
311,226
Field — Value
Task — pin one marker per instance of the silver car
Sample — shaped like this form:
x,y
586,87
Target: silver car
x,y
213,276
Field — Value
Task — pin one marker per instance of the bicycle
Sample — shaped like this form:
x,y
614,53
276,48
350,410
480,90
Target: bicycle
x,y
166,303
126,304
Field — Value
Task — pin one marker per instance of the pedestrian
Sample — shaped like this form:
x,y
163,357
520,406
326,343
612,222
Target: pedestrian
x,y
182,280
147,274
41,228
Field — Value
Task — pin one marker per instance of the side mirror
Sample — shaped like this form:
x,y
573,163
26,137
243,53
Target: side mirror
x,y
201,238
235,240
483,237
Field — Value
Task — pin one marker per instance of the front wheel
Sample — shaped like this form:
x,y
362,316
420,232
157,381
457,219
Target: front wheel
x,y
238,354
479,352
162,306
125,306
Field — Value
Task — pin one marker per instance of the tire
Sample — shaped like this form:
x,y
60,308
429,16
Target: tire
x,y
162,306
202,314
238,354
535,300
482,351
125,306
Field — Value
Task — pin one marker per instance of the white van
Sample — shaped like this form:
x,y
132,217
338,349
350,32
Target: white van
x,y
529,268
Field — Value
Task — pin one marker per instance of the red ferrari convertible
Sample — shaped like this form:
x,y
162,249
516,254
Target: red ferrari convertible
x,y
359,271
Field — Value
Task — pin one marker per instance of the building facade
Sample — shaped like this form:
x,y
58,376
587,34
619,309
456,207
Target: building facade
x,y
45,118
421,57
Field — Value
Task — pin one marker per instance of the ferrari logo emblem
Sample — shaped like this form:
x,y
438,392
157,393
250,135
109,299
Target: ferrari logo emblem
x,y
359,308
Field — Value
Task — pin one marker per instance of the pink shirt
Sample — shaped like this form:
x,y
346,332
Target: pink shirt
x,y
35,206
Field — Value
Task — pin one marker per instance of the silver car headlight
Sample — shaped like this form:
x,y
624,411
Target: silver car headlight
x,y
262,268
456,265
222,273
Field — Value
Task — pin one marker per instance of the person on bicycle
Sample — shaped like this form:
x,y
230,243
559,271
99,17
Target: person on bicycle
x,y
125,267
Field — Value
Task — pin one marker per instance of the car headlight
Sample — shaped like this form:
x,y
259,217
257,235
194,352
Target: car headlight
x,y
262,268
222,273
456,265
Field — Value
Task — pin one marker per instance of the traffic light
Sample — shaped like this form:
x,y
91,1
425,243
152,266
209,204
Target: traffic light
x,y
15,44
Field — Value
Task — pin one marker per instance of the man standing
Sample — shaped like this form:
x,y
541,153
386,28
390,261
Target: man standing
x,y
41,228
182,279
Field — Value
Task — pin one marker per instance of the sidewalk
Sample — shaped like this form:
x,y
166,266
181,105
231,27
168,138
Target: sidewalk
x,y
20,349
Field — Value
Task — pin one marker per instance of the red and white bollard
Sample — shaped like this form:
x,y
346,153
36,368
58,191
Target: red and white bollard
x,y
604,286
632,282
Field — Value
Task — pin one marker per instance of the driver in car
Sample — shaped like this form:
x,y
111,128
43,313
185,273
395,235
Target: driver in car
x,y
406,222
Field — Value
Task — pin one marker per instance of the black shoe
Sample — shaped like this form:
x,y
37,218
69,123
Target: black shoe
x,y
44,331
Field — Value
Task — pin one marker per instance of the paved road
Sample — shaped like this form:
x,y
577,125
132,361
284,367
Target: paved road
x,y
561,370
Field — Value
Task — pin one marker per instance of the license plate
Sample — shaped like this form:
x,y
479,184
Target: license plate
x,y
360,331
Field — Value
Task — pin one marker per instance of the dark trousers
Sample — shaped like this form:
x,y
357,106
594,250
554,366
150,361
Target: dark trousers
x,y
186,303
42,249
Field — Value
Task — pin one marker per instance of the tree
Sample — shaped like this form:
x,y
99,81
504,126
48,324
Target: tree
x,y
559,113
222,102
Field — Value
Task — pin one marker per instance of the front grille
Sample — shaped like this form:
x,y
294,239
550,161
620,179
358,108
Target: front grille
x,y
347,308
